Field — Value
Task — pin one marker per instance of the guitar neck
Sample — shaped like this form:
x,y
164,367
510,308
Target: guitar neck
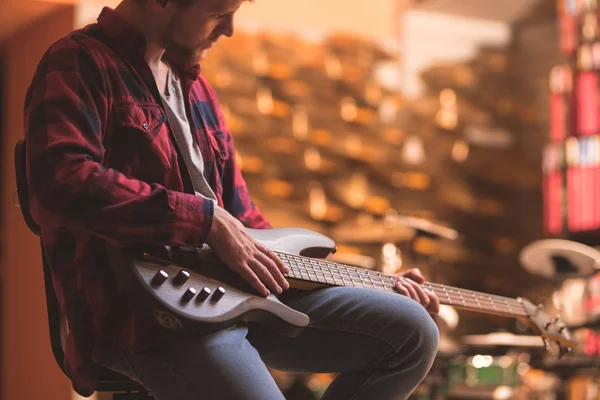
x,y
334,274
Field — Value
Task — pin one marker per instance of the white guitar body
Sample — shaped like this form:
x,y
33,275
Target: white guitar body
x,y
188,289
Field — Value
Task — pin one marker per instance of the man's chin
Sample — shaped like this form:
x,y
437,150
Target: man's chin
x,y
194,58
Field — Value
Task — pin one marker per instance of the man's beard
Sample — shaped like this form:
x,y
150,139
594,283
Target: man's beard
x,y
186,55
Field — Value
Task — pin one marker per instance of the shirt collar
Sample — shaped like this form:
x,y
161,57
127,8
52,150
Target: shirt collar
x,y
130,40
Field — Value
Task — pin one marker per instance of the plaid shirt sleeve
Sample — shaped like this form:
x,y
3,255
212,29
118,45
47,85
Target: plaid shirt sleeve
x,y
67,109
236,196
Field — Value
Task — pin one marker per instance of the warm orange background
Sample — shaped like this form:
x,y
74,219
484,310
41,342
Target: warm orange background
x,y
28,370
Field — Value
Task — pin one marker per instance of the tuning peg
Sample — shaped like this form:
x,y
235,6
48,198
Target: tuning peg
x,y
556,319
547,325
564,351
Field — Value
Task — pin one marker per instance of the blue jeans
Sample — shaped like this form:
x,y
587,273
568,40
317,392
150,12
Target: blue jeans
x,y
382,344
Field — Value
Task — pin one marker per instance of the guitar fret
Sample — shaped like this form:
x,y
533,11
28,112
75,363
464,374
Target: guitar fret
x,y
325,272
508,305
477,300
462,298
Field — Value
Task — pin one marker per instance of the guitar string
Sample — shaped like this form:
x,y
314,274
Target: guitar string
x,y
443,291
514,302
392,279
453,297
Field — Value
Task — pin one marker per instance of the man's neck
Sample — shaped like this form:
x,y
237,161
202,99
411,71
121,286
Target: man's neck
x,y
154,51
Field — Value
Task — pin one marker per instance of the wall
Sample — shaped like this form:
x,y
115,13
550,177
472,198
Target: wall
x,y
377,19
28,368
372,18
430,37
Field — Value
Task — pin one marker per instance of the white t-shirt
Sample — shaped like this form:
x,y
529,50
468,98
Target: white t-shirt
x,y
174,103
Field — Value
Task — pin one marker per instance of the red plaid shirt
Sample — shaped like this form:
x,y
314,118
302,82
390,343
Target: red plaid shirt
x,y
102,166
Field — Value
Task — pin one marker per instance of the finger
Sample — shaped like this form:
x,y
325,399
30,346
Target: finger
x,y
414,294
271,254
274,269
401,289
414,274
411,291
422,295
249,276
434,303
264,275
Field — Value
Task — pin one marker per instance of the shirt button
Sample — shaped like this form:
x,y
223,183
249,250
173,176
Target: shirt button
x,y
145,125
223,154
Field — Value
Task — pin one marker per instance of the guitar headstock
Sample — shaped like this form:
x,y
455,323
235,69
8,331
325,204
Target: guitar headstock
x,y
556,336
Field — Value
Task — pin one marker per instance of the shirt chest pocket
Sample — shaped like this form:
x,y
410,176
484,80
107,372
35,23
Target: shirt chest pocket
x,y
218,143
140,142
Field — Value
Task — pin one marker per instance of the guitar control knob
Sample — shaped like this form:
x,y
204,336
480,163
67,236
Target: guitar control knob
x,y
219,293
160,278
181,277
203,294
188,295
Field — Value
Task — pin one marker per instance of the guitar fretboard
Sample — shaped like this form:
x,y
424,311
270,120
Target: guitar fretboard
x,y
330,273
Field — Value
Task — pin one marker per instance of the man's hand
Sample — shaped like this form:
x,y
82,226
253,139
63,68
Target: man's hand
x,y
257,264
408,284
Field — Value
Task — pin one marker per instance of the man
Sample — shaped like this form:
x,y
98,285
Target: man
x,y
126,144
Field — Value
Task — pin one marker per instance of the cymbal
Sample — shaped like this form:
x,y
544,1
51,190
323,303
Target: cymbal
x,y
394,229
447,318
372,232
503,339
558,258
357,260
428,227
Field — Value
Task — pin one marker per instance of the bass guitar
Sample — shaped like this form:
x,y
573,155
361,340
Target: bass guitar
x,y
189,289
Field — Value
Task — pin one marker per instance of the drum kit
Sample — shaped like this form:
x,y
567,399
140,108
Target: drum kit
x,y
575,268
501,362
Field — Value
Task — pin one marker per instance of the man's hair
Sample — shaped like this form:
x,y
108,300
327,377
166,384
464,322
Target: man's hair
x,y
186,2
